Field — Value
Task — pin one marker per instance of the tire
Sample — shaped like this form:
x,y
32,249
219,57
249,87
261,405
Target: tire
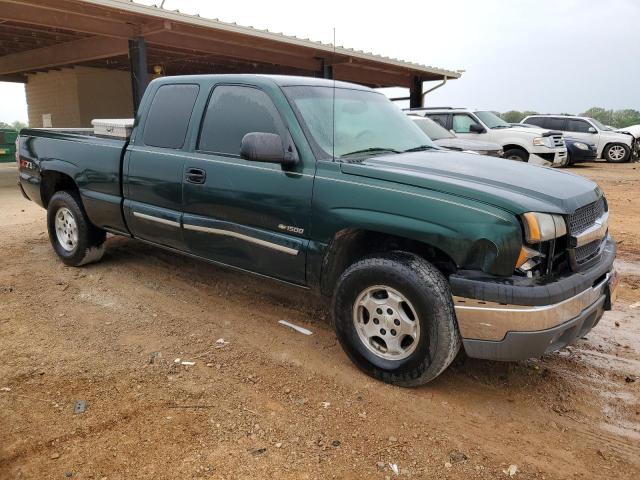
x,y
427,296
517,155
565,163
617,153
73,237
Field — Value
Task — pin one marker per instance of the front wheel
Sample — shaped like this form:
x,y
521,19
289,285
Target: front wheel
x,y
617,153
517,155
73,237
395,319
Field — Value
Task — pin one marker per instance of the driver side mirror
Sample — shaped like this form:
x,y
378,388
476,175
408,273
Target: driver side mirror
x,y
592,130
266,147
475,128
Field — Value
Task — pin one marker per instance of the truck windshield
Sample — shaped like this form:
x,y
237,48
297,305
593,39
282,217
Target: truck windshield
x,y
491,120
366,122
434,130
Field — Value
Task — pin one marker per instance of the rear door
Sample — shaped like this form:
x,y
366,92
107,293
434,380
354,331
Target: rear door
x,y
154,166
250,215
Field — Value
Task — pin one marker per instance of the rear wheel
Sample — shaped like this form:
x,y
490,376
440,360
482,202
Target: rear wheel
x,y
616,153
73,237
516,154
395,319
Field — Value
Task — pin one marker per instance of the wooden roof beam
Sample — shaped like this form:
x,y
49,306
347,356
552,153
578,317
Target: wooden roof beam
x,y
76,51
169,38
44,17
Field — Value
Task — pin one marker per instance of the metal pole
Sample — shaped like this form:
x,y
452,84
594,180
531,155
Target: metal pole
x,y
139,69
415,92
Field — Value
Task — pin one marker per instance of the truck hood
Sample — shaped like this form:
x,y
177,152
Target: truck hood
x,y
534,132
465,144
633,130
513,186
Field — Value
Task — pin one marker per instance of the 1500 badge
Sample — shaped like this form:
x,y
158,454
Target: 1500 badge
x,y
291,229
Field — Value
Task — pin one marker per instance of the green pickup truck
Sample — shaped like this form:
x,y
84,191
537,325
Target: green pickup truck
x,y
330,187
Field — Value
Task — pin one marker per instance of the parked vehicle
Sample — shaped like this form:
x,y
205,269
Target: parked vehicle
x,y
579,151
612,146
446,139
523,144
7,144
418,249
634,131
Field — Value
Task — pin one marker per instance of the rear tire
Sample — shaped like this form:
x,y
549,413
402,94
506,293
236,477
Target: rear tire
x,y
617,153
374,302
516,154
73,237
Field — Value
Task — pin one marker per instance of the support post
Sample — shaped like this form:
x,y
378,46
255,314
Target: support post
x,y
327,70
415,92
139,70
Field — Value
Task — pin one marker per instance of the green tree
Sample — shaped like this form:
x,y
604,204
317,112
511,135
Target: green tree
x,y
18,125
512,116
626,117
601,114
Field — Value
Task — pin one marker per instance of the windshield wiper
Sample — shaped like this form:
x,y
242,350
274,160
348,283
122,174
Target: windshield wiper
x,y
371,150
420,148
502,126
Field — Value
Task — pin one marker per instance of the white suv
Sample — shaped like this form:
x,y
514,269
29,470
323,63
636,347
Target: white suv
x,y
526,144
611,145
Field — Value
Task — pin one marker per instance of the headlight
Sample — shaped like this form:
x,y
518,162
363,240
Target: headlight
x,y
539,142
581,146
539,227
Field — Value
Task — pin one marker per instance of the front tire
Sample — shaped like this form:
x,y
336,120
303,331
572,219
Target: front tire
x,y
516,154
395,319
73,237
617,153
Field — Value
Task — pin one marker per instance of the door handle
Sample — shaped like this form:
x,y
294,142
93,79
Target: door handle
x,y
195,175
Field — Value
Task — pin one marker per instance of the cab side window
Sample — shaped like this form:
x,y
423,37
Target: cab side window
x,y
538,121
553,123
169,116
579,126
234,111
440,119
462,122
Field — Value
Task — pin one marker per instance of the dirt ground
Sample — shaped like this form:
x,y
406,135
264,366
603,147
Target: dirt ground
x,y
268,401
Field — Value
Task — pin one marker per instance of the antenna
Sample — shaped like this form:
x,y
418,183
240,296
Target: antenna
x,y
333,103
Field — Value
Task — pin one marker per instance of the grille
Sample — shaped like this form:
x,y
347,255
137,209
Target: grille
x,y
585,217
587,252
557,140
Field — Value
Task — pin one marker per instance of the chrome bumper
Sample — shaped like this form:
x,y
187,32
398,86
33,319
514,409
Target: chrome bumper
x,y
491,321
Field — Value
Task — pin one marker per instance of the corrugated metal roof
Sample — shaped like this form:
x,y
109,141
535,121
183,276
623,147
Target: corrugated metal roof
x,y
197,20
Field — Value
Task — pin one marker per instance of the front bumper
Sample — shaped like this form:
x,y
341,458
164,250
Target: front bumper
x,y
548,157
515,322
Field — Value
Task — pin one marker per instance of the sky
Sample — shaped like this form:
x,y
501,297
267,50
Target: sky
x,y
543,55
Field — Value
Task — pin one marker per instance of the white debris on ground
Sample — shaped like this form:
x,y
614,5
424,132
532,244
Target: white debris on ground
x,y
297,328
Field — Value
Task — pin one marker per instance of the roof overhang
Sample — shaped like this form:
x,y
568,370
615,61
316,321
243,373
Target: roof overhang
x,y
39,36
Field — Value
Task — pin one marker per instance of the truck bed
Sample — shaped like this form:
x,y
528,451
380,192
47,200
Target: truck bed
x,y
93,162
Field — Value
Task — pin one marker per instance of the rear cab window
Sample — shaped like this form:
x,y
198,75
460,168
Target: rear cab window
x,y
169,115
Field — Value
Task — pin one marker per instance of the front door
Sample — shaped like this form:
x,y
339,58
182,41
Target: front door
x,y
250,215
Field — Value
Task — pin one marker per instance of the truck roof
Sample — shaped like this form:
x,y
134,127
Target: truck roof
x,y
281,80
